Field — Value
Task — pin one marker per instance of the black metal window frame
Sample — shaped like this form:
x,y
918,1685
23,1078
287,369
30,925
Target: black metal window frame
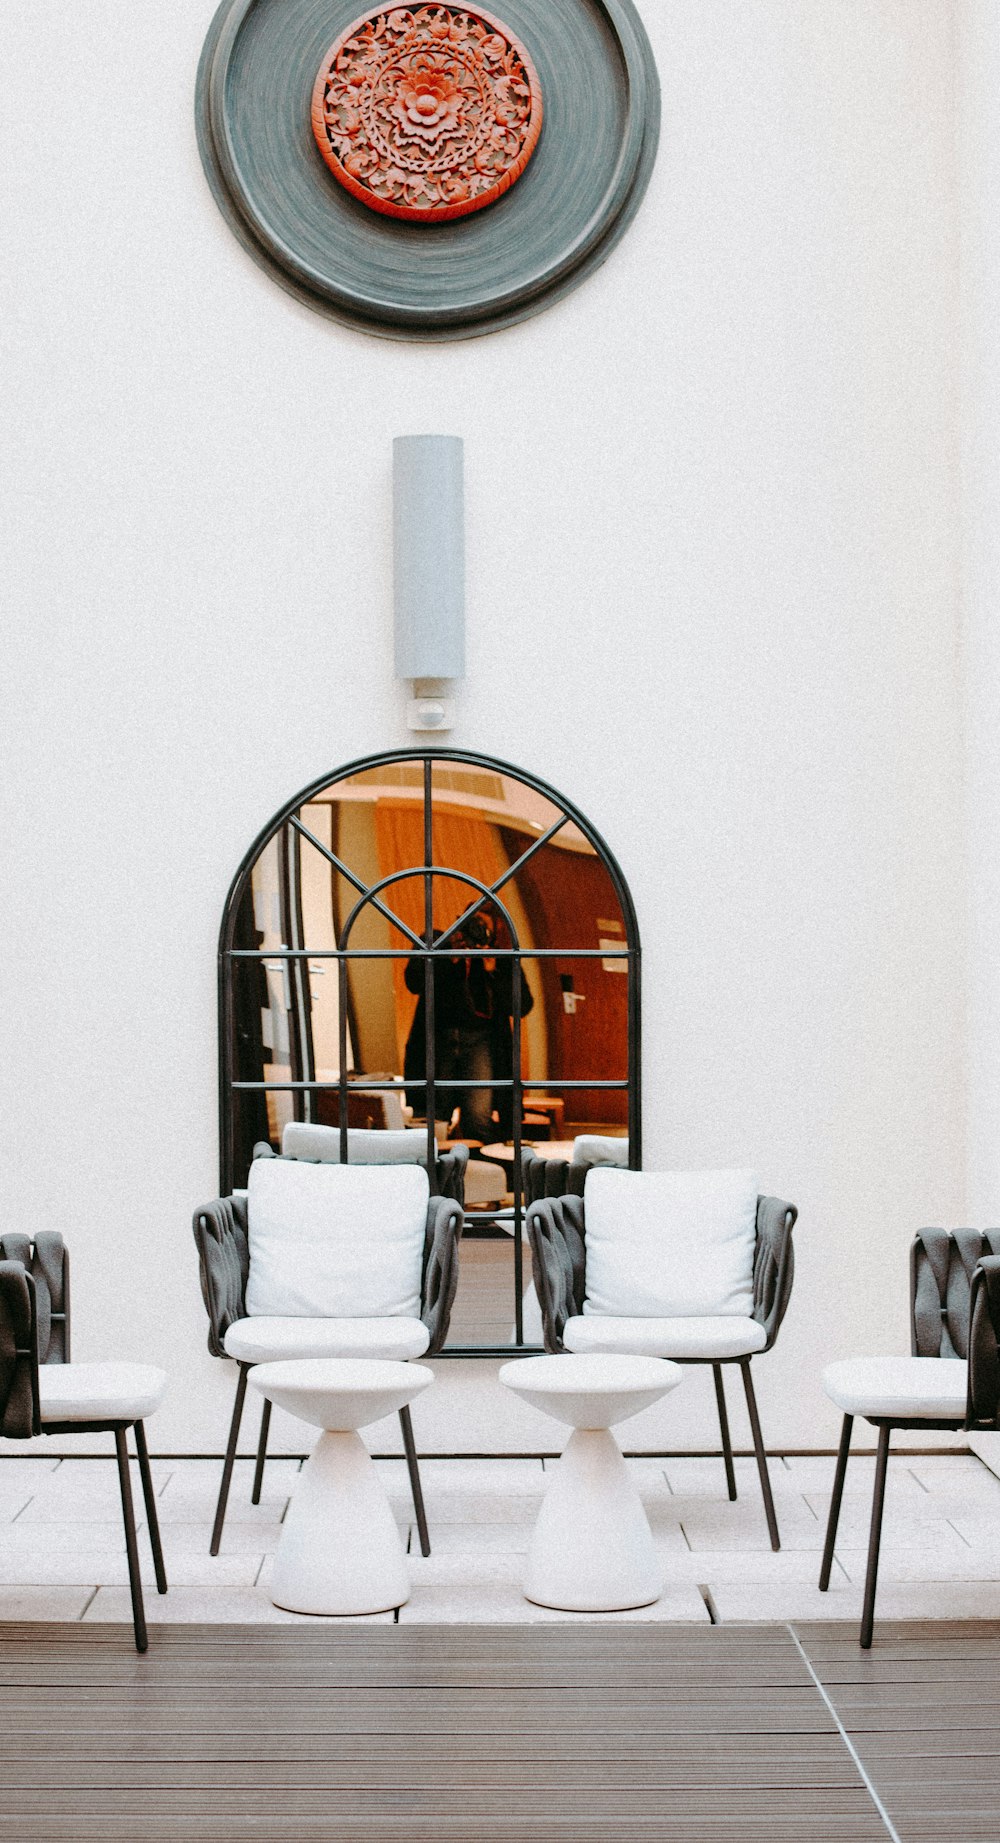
x,y
287,828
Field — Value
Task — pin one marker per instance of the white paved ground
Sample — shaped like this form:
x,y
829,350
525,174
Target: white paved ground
x,y
62,1551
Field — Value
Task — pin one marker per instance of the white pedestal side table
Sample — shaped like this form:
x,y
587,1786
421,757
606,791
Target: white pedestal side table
x,y
340,1550
592,1548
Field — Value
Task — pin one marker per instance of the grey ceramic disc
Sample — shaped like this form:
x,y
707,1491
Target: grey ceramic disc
x,y
428,281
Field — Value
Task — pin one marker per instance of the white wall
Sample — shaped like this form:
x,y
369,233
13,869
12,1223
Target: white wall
x,y
979,193
712,537
979,148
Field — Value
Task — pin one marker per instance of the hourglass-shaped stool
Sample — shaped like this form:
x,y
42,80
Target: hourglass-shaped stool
x,y
340,1550
592,1548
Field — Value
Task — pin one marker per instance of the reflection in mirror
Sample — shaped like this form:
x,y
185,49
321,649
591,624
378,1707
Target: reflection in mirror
x,y
434,950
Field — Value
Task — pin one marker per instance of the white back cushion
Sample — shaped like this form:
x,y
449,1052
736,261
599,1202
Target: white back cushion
x,y
335,1241
589,1149
670,1244
301,1140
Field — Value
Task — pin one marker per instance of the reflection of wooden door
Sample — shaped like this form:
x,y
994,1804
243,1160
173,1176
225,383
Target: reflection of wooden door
x,y
365,1111
569,897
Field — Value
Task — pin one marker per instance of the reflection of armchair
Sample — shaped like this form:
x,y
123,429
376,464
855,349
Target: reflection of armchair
x,y
41,1391
566,1177
952,1379
321,1145
695,1274
281,1279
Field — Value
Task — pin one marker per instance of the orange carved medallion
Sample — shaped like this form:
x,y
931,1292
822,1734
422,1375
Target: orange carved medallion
x,y
427,112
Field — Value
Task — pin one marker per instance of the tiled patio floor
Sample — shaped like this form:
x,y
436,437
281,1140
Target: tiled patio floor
x,y
62,1551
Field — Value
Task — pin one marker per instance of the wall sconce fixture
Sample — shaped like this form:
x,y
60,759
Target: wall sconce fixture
x,y
429,573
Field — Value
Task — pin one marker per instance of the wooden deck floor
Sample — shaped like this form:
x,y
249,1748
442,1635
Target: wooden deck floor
x,y
502,1734
923,1711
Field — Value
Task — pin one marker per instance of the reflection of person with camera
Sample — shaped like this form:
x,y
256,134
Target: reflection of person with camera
x,y
473,1032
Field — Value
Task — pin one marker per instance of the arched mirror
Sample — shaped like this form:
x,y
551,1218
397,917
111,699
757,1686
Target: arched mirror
x,y
434,945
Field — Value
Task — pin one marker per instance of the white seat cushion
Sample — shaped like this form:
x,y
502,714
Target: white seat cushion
x,y
670,1244
907,1388
99,1391
335,1241
666,1337
299,1139
278,1340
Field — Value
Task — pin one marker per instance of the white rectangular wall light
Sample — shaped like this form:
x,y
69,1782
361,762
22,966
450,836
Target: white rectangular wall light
x,y
429,571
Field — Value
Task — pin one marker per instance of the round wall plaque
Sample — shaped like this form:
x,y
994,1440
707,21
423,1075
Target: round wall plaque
x,y
369,245
428,113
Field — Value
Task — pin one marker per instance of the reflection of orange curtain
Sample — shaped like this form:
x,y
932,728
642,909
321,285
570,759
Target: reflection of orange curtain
x,y
399,837
467,844
461,842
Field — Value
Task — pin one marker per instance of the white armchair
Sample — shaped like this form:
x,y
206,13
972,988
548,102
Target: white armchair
x,y
326,1260
951,1380
43,1392
692,1266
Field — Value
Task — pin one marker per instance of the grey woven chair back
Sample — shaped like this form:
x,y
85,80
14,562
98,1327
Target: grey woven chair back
x,y
550,1177
942,1263
222,1237
557,1231
223,1242
32,1324
773,1264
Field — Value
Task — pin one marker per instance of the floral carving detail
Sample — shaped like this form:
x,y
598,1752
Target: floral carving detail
x,y
427,112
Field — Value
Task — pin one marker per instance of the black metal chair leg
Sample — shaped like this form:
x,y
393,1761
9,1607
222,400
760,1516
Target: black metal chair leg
x,y
838,1491
258,1473
875,1538
131,1546
409,1447
227,1469
150,1500
758,1444
727,1448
